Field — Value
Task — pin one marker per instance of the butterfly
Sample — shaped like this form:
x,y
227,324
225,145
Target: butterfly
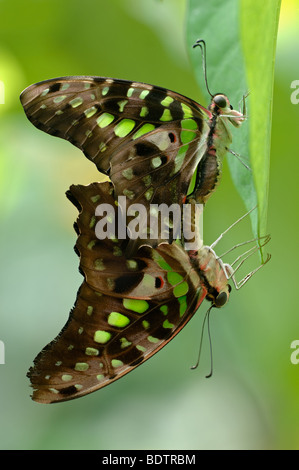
x,y
126,309
157,146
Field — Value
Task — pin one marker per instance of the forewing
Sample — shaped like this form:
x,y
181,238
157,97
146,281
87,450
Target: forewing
x,y
149,140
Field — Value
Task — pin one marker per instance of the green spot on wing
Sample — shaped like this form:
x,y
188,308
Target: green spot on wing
x,y
99,264
147,179
181,289
91,352
166,116
130,92
167,324
132,265
192,183
128,173
179,158
118,319
116,363
101,336
121,105
104,120
187,136
136,305
161,261
76,102
145,324
92,222
129,193
124,343
167,101
91,244
143,130
188,124
59,99
143,94
81,366
65,86
152,339
144,111
117,251
187,111
183,304
164,309
66,377
149,193
89,310
95,198
124,127
90,111
174,278
102,147
156,162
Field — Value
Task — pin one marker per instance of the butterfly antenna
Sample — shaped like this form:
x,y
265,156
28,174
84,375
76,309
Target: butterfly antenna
x,y
207,317
201,43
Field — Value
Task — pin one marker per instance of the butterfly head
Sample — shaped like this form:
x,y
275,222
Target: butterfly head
x,y
220,105
219,298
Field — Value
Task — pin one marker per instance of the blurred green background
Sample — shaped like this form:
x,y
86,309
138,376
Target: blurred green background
x,y
251,402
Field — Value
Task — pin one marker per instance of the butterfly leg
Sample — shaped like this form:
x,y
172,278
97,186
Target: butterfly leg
x,y
266,239
242,104
238,156
230,271
239,284
230,227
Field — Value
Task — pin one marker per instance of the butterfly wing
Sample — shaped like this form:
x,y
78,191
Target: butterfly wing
x,y
126,310
149,140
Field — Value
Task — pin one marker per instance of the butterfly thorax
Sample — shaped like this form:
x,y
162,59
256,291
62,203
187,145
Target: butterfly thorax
x,y
212,273
223,114
219,138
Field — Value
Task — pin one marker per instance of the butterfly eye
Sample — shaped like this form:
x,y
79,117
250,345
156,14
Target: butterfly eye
x,y
221,299
220,101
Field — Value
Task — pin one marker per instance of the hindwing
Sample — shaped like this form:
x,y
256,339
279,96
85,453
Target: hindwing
x,y
126,310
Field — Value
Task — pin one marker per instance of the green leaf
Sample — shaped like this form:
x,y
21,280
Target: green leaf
x,y
241,41
259,46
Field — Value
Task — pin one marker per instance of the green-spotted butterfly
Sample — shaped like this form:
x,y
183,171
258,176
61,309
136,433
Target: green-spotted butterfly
x,y
126,309
156,145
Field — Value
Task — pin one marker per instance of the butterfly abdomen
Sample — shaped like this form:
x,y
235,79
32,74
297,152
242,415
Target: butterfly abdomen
x,y
207,177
